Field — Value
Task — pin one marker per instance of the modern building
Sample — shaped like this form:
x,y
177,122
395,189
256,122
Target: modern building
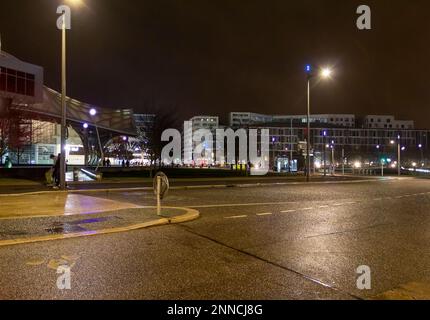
x,y
245,119
205,122
386,122
30,114
355,144
364,138
210,123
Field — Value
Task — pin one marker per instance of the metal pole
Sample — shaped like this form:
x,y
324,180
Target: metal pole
x,y
158,195
100,145
382,167
63,109
422,157
291,145
325,158
332,160
343,161
308,144
398,159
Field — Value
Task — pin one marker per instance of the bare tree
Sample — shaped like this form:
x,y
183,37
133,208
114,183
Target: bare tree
x,y
165,118
17,134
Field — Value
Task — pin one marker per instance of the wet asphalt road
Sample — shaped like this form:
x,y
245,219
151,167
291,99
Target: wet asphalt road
x,y
281,242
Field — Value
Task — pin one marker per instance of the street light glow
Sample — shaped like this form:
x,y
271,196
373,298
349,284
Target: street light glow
x,y
326,73
76,3
93,112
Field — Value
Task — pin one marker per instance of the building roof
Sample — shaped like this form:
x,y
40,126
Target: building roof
x,y
115,120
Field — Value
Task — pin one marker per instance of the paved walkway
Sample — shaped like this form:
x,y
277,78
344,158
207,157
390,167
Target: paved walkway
x,y
37,229
56,216
56,204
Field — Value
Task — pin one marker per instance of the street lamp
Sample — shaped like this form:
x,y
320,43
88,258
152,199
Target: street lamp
x,y
332,158
382,160
399,150
420,146
325,151
64,27
324,73
93,113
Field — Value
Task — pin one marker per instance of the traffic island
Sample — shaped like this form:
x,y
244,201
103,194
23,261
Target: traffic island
x,y
40,229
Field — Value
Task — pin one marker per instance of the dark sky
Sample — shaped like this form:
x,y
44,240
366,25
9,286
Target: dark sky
x,y
216,56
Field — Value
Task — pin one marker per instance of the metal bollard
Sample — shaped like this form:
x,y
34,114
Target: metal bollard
x,y
158,195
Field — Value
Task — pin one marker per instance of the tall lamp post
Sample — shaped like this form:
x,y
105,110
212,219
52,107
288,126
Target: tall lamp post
x,y
332,158
65,18
382,160
63,107
324,73
420,146
399,151
325,152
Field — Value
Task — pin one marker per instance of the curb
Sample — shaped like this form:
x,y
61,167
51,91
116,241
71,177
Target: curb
x,y
190,215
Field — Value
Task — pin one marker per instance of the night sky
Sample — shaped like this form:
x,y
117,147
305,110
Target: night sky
x,y
213,57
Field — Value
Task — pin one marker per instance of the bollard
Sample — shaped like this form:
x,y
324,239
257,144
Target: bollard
x,y
158,195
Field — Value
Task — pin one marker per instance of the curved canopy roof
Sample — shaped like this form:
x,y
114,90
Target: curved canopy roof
x,y
115,120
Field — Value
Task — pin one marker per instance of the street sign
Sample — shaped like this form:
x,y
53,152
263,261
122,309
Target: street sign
x,y
164,184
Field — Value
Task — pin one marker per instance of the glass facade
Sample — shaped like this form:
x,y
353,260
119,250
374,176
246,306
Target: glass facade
x,y
17,82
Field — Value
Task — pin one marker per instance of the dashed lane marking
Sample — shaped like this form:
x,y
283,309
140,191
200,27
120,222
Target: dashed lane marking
x,y
304,209
237,217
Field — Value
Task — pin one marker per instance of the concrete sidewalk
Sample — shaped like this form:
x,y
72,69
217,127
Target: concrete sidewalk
x,y
56,216
50,228
55,204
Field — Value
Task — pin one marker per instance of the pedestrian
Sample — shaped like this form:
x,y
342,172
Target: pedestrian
x,y
108,162
123,163
127,163
104,162
7,163
56,172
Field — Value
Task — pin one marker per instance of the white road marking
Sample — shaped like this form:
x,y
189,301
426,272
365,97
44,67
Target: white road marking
x,y
264,214
226,205
338,204
323,207
288,211
307,209
237,217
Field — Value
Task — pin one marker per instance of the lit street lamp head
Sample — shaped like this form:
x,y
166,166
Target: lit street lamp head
x,y
93,112
76,3
326,73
